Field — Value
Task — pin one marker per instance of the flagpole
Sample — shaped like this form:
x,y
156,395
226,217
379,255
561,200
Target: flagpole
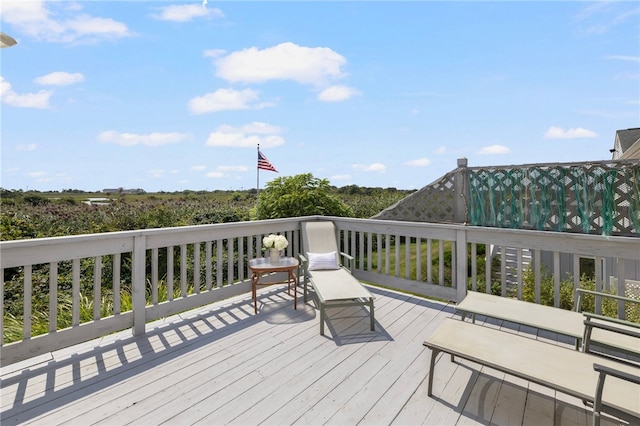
x,y
258,174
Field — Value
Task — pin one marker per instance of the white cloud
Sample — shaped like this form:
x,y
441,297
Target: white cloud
x,y
151,139
186,12
37,175
198,168
624,58
213,53
286,61
494,149
224,100
626,76
247,136
242,140
38,100
260,127
60,22
420,162
215,175
340,177
60,78
558,133
374,167
337,93
156,173
28,147
441,150
232,168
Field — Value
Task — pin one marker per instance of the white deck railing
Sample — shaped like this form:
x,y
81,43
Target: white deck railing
x,y
209,263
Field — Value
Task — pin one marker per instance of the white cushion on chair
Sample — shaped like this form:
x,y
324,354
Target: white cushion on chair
x,y
319,261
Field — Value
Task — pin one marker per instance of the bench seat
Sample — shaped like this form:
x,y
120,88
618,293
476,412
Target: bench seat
x,y
559,368
556,320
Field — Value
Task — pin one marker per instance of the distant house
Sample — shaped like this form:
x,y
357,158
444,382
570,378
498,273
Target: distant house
x,y
123,191
626,145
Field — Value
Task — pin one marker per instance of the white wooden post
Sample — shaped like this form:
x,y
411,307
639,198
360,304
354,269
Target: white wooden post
x,y
461,264
138,284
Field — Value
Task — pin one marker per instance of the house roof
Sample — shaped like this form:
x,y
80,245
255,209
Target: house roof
x,y
627,139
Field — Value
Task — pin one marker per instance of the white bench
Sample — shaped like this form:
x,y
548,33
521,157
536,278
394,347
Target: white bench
x,y
567,371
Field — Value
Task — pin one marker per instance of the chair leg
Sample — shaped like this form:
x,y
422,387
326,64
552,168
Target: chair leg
x,y
322,319
434,354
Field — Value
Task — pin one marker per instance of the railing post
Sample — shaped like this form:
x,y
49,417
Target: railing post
x,y
138,284
461,264
460,192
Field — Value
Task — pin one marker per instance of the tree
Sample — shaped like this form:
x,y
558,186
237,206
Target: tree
x,y
300,195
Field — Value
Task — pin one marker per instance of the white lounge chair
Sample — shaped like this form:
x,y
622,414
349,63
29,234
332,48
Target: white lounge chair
x,y
332,281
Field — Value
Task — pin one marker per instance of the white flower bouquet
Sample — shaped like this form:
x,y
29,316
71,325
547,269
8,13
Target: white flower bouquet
x,y
278,242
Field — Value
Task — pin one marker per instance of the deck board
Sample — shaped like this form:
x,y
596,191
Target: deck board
x,y
222,364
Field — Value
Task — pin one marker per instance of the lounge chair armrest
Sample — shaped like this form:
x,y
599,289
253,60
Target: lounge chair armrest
x,y
617,373
609,324
347,261
613,325
303,268
580,292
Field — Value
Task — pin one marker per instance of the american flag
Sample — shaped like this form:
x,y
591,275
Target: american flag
x,y
264,164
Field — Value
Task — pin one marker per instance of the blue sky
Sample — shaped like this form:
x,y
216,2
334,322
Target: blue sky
x,y
175,95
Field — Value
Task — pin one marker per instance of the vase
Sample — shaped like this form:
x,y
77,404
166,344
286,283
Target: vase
x,y
274,256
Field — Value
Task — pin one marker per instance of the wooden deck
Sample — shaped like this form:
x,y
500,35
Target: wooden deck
x,y
222,364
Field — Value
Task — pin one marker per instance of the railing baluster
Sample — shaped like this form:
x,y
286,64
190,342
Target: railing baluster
x,y
519,271
26,331
407,255
556,279
487,273
599,286
379,252
621,290
97,286
429,278
396,253
230,261
241,266
440,262
2,307
170,273
183,270
116,284
537,263
196,268
154,276
53,296
75,285
418,259
208,264
387,254
576,272
474,267
503,270
219,264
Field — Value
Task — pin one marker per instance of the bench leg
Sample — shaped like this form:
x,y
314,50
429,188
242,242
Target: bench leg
x,y
373,320
321,319
434,354
597,401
